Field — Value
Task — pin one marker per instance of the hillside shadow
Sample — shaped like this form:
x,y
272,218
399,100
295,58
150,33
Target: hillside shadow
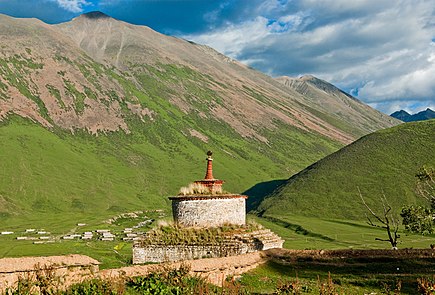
x,y
258,192
298,229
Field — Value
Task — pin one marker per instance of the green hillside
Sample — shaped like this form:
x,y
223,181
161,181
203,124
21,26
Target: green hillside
x,y
99,117
50,173
384,162
88,132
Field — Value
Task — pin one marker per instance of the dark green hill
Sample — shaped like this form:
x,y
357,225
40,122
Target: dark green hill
x,y
384,162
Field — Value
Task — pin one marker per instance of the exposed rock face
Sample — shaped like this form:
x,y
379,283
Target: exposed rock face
x,y
46,78
330,101
160,100
94,71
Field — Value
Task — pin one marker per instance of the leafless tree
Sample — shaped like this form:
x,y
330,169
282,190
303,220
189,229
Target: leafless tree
x,y
385,220
426,184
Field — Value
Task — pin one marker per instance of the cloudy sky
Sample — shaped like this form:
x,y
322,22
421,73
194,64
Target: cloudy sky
x,y
381,51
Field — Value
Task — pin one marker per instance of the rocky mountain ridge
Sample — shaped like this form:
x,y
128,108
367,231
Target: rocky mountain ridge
x,y
420,116
86,73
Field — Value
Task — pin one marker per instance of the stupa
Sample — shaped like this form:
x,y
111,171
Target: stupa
x,y
209,223
204,204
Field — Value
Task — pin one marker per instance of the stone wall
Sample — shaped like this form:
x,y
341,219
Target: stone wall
x,y
236,244
70,268
160,253
209,211
215,270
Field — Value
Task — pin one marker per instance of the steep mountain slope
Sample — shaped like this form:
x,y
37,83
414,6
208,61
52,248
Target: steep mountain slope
x,y
420,116
384,162
334,105
124,114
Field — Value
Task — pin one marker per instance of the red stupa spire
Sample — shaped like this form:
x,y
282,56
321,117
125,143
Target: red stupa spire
x,y
213,185
209,172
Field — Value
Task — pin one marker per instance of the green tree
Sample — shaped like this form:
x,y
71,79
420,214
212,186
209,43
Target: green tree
x,y
420,219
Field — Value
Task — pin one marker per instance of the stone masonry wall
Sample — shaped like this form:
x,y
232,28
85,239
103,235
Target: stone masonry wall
x,y
236,244
214,270
70,269
211,212
160,253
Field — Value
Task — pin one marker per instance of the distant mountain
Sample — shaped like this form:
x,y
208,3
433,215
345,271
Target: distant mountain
x,y
381,163
99,116
401,115
420,116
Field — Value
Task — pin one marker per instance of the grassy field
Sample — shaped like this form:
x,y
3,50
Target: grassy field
x,y
46,172
299,232
111,254
382,163
340,276
362,275
54,176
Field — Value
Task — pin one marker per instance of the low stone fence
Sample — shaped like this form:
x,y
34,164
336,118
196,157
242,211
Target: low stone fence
x,y
215,270
73,269
67,269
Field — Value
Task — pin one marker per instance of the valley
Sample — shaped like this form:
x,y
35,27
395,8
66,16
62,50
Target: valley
x,y
101,121
91,126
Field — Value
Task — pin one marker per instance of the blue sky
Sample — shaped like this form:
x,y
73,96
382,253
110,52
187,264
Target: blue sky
x,y
381,51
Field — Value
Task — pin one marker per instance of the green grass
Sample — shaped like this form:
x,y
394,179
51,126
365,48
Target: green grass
x,y
384,162
56,93
53,179
301,232
111,254
349,276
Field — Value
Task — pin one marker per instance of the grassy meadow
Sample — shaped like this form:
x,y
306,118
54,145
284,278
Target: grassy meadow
x,y
359,275
299,232
340,276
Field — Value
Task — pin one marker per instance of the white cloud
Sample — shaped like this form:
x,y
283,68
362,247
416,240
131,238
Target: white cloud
x,y
75,6
233,39
410,106
383,50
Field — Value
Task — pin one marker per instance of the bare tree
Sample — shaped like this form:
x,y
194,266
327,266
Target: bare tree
x,y
385,221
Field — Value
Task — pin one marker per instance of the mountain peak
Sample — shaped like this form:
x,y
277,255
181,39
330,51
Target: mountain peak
x,y
308,78
420,116
95,15
401,112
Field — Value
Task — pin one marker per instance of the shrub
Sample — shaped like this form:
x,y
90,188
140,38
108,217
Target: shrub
x,y
425,286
